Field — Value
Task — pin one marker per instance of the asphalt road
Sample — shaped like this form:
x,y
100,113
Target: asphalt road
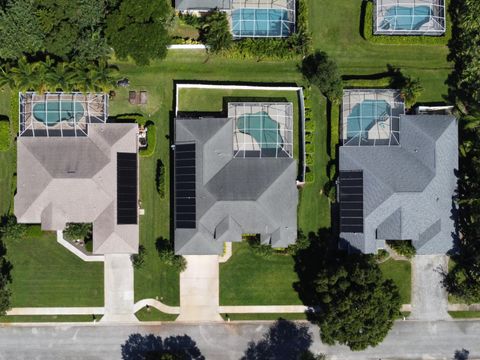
x,y
408,340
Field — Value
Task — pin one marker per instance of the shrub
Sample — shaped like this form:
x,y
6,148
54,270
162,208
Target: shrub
x,y
160,178
192,20
5,138
410,91
309,125
402,247
167,255
14,112
310,148
309,175
11,230
259,249
382,255
398,39
138,259
302,243
77,231
151,140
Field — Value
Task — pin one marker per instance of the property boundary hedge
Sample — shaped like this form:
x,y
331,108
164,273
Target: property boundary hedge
x,y
367,7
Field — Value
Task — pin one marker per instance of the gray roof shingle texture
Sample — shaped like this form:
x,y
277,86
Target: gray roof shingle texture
x,y
408,189
184,5
62,180
235,195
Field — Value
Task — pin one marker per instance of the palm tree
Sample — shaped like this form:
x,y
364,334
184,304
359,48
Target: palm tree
x,y
102,76
410,91
22,75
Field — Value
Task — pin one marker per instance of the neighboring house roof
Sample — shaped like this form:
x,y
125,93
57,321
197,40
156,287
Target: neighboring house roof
x,y
201,5
235,196
65,179
408,190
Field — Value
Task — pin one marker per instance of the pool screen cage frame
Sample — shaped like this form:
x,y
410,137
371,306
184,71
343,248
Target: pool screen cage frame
x,y
353,97
287,5
435,27
95,106
280,112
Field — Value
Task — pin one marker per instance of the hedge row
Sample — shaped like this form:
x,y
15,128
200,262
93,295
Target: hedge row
x,y
334,139
398,39
309,137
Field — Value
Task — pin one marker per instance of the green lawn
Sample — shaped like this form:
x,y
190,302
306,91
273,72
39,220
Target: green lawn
x,y
46,274
238,317
7,158
153,314
49,318
465,314
400,273
335,26
247,279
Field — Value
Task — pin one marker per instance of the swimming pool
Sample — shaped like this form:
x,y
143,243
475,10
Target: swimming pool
x,y
364,116
261,22
262,128
406,18
52,112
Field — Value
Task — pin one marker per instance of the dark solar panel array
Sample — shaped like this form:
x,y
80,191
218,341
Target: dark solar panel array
x,y
127,188
185,186
351,201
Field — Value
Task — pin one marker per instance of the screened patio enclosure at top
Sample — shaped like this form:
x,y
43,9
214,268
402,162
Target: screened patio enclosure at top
x,y
371,117
262,18
409,17
60,114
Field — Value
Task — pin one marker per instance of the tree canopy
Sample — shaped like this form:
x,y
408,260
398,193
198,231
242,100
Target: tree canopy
x,y
323,72
139,29
358,306
215,31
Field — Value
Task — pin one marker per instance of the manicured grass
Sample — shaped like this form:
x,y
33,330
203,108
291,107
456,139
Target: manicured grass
x,y
342,40
46,274
248,279
400,273
464,314
154,315
240,317
7,158
49,318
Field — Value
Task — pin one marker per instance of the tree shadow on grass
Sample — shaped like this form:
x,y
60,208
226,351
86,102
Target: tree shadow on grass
x,y
284,340
151,347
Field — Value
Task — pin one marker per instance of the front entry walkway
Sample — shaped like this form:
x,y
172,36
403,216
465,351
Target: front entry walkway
x,y
199,289
118,289
429,297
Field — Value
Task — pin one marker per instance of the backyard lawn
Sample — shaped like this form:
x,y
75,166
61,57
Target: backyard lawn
x,y
248,279
400,272
46,274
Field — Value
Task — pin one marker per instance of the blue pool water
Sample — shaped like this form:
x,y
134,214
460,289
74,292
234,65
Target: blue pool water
x,y
53,112
261,22
406,18
363,117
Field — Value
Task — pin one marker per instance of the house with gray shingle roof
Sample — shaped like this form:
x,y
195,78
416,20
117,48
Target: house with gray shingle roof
x,y
403,191
221,193
87,176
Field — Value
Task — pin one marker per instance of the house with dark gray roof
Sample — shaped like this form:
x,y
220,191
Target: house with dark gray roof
x,y
201,5
77,169
221,193
403,191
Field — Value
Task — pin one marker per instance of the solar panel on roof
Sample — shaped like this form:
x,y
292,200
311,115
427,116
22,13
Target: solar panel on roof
x,y
351,201
185,200
127,188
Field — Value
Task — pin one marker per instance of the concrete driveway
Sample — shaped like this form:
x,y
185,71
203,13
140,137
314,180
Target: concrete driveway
x,y
429,297
199,289
118,288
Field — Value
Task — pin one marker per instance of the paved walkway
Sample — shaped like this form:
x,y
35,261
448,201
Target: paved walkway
x,y
199,289
118,289
76,251
228,253
157,305
429,297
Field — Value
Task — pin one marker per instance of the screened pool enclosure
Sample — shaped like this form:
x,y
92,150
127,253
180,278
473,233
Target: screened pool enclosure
x,y
60,114
262,18
262,129
409,17
371,117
